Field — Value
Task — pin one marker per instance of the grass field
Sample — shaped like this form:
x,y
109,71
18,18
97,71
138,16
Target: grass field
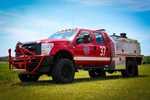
x,y
113,87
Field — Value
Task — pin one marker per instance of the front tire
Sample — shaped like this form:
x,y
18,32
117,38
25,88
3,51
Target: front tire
x,y
97,73
63,71
28,77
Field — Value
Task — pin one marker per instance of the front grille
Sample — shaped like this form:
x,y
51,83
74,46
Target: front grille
x,y
33,47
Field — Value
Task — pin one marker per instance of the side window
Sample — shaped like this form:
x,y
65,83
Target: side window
x,y
81,35
99,38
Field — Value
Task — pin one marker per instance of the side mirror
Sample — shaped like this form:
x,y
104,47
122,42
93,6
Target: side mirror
x,y
79,40
84,39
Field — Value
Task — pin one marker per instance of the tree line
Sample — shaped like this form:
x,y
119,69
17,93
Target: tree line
x,y
4,59
146,59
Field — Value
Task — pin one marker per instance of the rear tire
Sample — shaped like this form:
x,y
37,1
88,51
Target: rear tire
x,y
131,69
136,71
97,73
63,71
28,77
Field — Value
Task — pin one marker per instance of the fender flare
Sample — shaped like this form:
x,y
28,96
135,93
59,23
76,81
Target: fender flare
x,y
64,47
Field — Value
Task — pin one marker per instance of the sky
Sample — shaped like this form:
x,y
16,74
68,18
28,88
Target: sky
x,y
29,20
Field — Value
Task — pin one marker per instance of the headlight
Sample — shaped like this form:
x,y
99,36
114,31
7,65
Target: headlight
x,y
46,48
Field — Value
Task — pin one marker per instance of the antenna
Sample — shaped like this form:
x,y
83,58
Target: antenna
x,y
72,15
40,31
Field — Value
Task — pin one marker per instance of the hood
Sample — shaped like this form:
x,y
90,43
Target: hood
x,y
53,40
46,40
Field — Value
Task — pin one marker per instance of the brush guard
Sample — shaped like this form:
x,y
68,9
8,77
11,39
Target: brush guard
x,y
22,60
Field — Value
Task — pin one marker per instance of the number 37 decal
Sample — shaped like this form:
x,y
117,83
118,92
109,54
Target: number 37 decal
x,y
102,50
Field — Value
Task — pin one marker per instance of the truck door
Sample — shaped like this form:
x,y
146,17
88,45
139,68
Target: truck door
x,y
102,48
84,50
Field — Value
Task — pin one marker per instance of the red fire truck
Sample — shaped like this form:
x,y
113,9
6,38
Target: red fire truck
x,y
67,51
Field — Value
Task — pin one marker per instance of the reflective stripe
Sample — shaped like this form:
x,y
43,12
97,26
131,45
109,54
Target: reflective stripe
x,y
92,58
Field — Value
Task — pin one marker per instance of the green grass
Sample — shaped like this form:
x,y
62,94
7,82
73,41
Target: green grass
x,y
113,87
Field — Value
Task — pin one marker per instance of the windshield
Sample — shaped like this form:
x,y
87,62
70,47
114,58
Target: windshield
x,y
67,35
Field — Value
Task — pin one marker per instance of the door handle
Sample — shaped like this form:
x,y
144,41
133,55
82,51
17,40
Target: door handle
x,y
106,48
94,47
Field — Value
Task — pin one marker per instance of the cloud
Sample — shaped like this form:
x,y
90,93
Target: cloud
x,y
143,37
131,5
2,22
26,26
21,33
37,21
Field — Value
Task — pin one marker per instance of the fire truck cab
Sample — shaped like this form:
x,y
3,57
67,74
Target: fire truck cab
x,y
67,51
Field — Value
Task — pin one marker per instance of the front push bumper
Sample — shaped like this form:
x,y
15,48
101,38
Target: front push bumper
x,y
20,64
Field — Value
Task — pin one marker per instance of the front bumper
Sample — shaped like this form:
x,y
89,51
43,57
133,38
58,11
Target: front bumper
x,y
28,64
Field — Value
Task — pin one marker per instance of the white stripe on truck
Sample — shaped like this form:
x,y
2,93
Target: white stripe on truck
x,y
92,58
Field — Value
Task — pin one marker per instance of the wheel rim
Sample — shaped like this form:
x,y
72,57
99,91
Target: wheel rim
x,y
66,72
